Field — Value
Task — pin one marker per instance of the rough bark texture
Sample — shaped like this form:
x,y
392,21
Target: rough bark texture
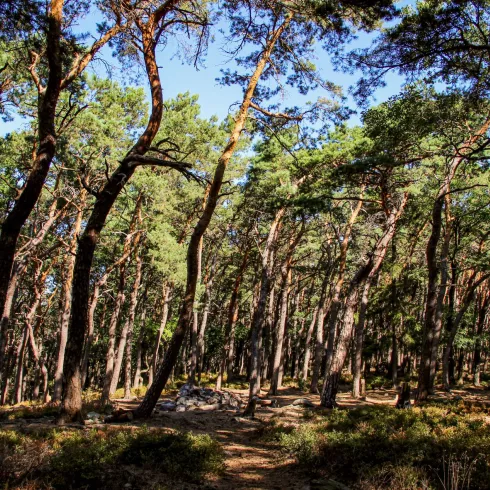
x,y
369,269
151,398
132,315
433,310
47,102
72,402
66,292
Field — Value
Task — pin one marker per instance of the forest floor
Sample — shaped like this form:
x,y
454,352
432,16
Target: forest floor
x,y
252,461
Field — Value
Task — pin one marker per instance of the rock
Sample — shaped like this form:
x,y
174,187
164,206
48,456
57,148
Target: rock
x,y
304,402
93,415
168,406
185,390
210,407
180,408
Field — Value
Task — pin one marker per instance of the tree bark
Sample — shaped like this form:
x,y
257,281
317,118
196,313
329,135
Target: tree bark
x,y
66,293
433,314
72,403
167,289
366,271
132,315
152,395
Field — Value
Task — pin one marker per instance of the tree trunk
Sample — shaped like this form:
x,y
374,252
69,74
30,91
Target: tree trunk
x,y
66,293
309,334
259,313
132,315
167,288
47,102
146,407
433,309
368,270
276,367
139,349
72,402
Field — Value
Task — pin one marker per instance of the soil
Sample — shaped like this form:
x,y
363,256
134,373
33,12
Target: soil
x,y
252,463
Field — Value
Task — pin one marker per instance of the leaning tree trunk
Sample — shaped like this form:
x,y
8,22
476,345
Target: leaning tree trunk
x,y
336,363
336,299
433,314
152,395
48,98
47,102
72,402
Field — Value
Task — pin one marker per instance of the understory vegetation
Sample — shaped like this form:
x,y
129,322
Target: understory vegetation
x,y
108,458
376,447
300,204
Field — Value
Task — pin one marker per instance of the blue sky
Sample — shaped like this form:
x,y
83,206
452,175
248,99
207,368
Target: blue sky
x,y
178,77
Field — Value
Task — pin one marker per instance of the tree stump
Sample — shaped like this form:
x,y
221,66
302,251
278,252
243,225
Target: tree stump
x,y
404,397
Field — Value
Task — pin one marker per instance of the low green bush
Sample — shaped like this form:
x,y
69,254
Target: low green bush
x,y
382,447
102,458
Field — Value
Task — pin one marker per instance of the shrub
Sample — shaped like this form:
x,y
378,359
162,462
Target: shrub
x,y
101,458
384,446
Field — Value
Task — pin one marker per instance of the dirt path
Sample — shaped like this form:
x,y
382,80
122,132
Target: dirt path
x,y
252,463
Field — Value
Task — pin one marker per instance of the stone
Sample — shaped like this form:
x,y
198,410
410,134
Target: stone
x,y
168,406
93,415
304,402
210,407
180,408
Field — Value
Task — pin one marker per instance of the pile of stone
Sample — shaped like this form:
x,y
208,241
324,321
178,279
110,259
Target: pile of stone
x,y
193,398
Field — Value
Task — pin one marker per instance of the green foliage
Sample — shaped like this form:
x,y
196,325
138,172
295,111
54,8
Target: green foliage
x,y
392,448
97,458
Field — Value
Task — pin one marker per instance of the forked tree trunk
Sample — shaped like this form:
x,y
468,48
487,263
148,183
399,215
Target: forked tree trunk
x,y
433,310
259,313
336,299
370,269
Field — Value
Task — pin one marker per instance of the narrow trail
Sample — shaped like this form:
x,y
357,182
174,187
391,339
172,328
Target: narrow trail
x,y
251,461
